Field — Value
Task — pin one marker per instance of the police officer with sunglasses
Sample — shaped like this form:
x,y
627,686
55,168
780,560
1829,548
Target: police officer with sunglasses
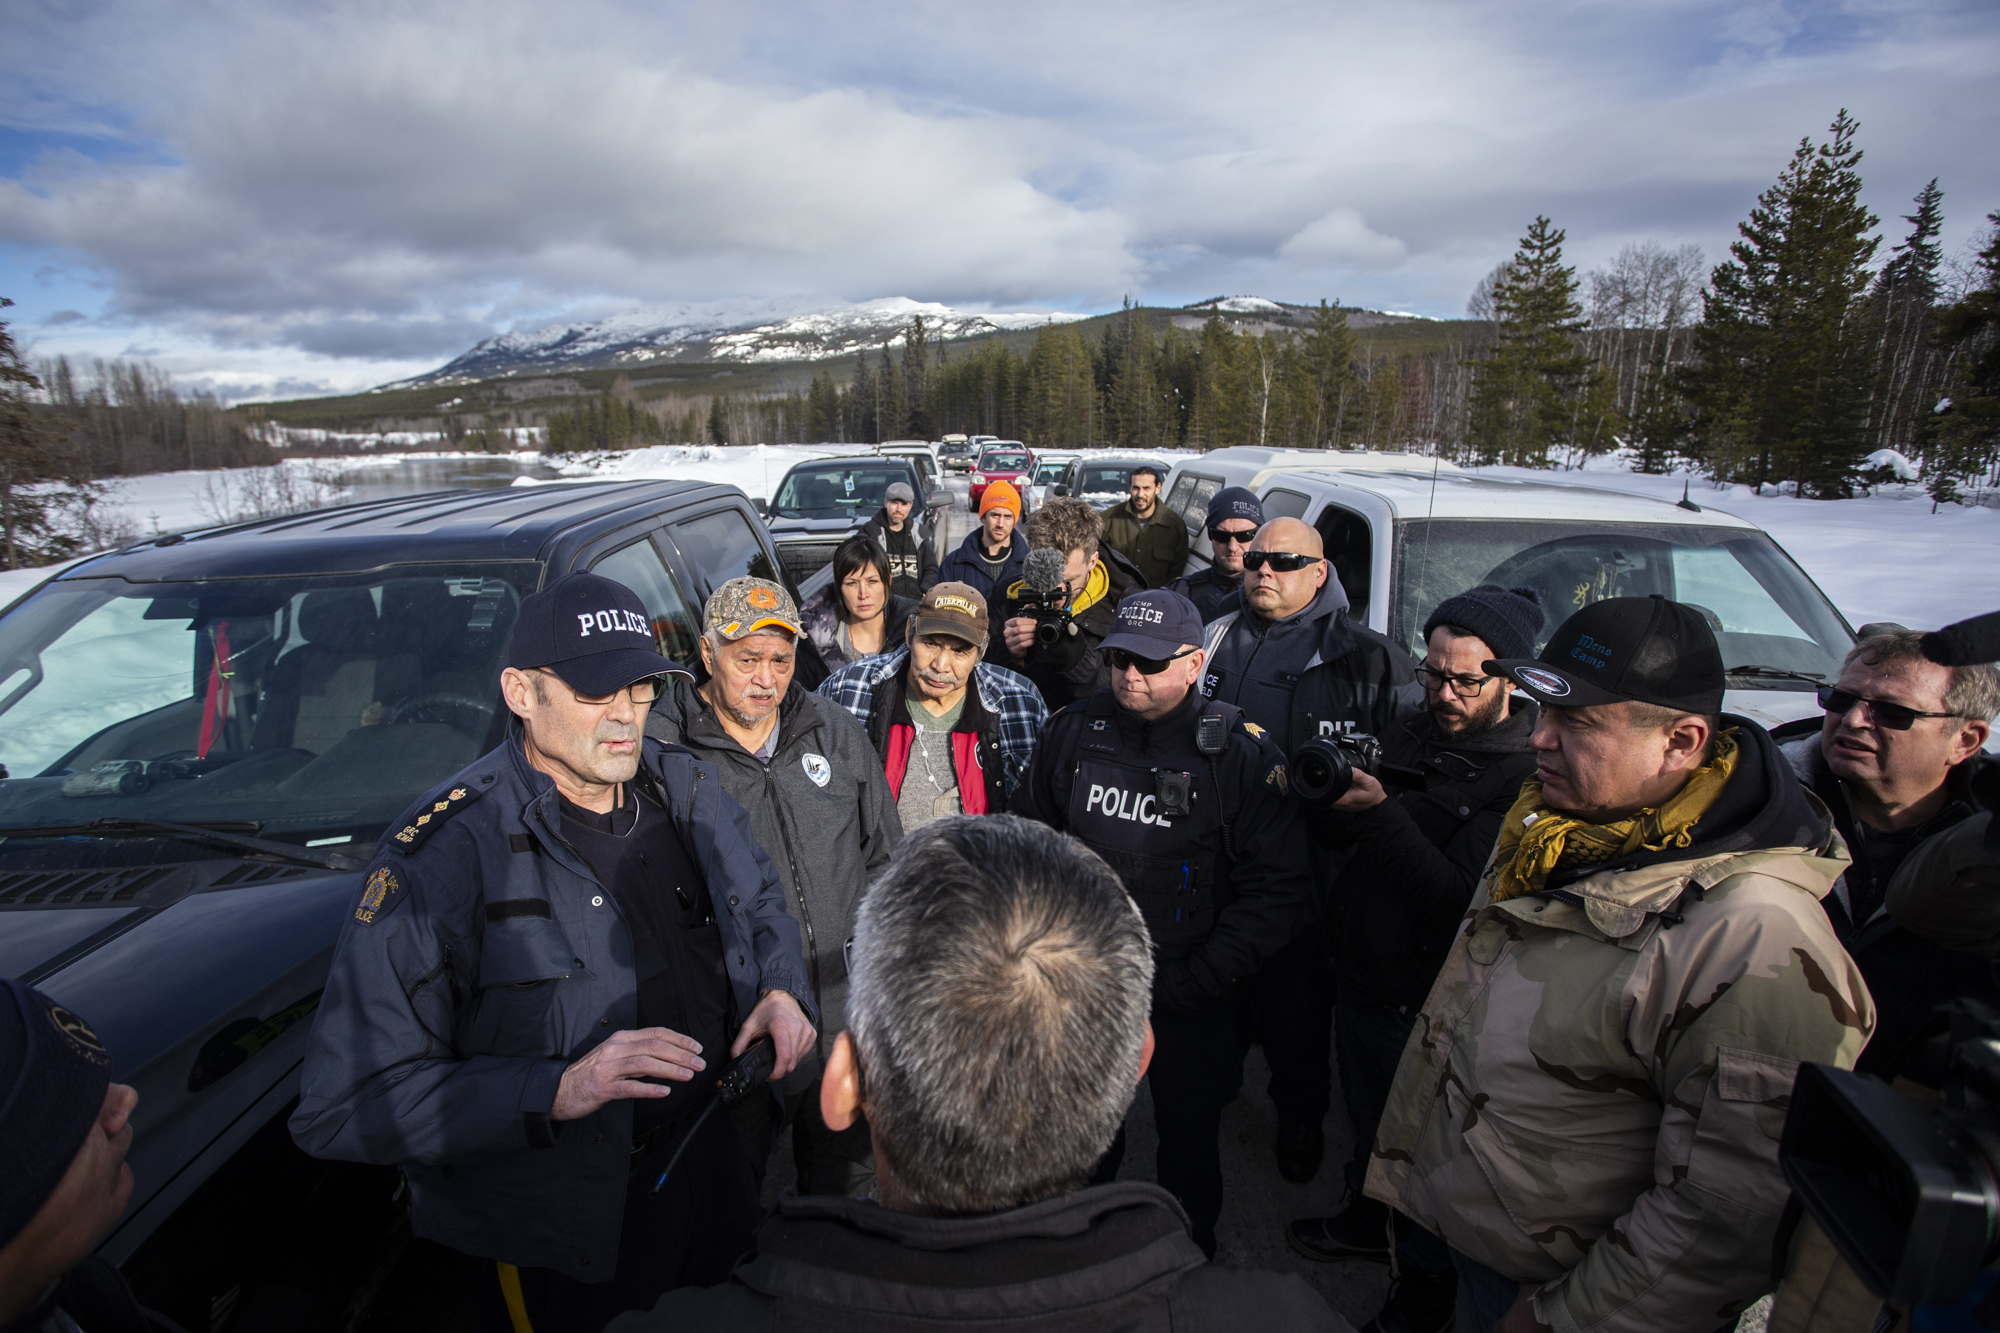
x,y
1298,666
1234,516
1191,804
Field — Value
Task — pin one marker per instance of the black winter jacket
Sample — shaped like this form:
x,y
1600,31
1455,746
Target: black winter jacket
x,y
819,617
1398,904
1073,669
821,808
1115,1258
913,560
1907,975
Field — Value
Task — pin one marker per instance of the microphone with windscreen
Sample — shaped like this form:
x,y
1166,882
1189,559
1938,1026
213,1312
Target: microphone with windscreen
x,y
1964,644
1043,597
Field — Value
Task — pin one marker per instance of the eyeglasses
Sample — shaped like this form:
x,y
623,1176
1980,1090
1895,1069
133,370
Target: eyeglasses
x,y
1148,666
1896,717
1223,537
1283,561
645,690
1465,687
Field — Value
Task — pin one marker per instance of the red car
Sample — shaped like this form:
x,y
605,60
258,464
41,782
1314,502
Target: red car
x,y
1005,460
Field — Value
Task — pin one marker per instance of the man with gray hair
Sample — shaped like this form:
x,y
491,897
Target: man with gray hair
x,y
995,1032
804,770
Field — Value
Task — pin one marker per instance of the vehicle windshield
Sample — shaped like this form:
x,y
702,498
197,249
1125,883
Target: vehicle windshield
x,y
834,489
1763,608
1003,462
316,707
1104,480
1048,472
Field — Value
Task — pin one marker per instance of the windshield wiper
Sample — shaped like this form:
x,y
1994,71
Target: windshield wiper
x,y
222,834
1774,673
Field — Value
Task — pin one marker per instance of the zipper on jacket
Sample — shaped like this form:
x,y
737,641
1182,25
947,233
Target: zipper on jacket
x,y
792,860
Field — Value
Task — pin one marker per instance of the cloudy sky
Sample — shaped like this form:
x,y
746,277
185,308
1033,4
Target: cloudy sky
x,y
315,197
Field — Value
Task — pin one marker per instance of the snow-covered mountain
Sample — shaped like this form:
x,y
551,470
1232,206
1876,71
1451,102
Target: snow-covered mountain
x,y
782,329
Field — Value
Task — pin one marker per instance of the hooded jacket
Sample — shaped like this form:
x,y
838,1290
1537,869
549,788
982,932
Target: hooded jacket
x,y
1417,855
1907,975
968,566
1157,545
482,959
1314,673
913,562
1112,1257
1594,1091
822,810
820,619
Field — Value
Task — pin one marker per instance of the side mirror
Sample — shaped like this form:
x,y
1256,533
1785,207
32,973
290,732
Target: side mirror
x,y
1060,489
757,503
937,497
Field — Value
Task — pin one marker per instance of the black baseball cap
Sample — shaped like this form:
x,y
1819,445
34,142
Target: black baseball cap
x,y
1154,623
1647,649
590,630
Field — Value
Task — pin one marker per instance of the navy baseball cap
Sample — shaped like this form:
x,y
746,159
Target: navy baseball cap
x,y
1234,502
1647,649
591,631
1154,623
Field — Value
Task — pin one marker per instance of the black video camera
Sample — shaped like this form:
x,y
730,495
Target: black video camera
x,y
1324,767
1049,609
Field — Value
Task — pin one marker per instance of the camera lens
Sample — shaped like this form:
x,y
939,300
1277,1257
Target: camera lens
x,y
1321,771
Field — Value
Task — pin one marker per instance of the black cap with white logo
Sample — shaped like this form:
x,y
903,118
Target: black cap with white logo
x,y
1155,623
591,631
1647,649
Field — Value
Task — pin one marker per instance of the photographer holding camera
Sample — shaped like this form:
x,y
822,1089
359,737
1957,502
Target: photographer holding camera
x,y
1401,898
1192,805
1589,1113
1064,604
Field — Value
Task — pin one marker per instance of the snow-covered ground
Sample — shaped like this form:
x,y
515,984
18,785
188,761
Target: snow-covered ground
x,y
1884,557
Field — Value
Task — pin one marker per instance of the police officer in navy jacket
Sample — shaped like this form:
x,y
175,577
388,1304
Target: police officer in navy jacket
x,y
546,970
1191,804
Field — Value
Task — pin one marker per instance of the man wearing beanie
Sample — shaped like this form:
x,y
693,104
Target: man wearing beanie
x,y
993,554
1589,1113
1234,516
65,1129
1414,855
550,963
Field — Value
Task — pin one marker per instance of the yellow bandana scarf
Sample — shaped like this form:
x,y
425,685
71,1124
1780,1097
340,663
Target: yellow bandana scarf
x,y
1536,839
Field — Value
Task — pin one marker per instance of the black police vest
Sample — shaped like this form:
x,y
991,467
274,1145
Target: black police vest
x,y
1172,864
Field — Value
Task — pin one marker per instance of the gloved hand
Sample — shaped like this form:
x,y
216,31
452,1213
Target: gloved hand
x,y
1188,985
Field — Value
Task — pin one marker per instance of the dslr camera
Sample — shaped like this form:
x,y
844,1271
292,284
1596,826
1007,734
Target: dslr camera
x,y
1324,767
1049,609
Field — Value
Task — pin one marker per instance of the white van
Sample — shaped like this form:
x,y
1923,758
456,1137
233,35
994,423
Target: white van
x,y
1403,533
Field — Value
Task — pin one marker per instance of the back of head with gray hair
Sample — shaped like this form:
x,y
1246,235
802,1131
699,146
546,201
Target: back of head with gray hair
x,y
1001,984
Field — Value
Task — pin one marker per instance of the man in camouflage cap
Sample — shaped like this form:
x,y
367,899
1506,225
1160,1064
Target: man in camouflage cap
x,y
818,802
1588,1111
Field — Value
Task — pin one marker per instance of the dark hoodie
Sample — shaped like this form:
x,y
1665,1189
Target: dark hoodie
x,y
913,562
1400,900
1109,1257
1313,673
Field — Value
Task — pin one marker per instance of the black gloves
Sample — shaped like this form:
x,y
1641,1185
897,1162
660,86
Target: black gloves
x,y
1188,985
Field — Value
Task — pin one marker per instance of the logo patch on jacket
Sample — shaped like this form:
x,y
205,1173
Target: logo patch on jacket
x,y
377,896
817,769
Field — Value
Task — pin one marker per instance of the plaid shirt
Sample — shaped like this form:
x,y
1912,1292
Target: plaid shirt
x,y
1009,697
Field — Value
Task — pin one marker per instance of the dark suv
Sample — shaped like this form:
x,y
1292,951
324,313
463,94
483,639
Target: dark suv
x,y
203,737
819,503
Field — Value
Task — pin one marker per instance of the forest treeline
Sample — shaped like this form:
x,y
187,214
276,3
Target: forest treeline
x,y
1789,363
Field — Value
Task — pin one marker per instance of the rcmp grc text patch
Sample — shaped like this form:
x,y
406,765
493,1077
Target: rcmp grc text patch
x,y
377,896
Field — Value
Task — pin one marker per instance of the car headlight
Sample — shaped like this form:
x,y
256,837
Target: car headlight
x,y
979,477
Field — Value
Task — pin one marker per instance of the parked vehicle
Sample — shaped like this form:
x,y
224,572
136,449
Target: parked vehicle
x,y
922,454
817,504
204,737
956,454
1106,479
1004,460
1050,469
1403,532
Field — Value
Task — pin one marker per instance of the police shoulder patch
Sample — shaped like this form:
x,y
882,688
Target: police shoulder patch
x,y
1278,778
432,817
379,896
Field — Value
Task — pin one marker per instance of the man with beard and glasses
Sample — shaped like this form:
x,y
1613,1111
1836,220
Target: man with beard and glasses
x,y
818,804
549,964
955,734
1399,901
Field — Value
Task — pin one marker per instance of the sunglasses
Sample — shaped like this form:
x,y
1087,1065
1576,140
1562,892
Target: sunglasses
x,y
1222,538
1283,561
1896,717
1148,666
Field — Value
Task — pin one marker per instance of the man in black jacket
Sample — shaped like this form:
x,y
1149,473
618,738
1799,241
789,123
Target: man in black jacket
x,y
1094,578
1895,762
912,552
1298,667
1398,903
996,1029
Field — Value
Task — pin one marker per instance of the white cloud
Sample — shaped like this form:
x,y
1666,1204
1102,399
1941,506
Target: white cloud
x,y
1342,237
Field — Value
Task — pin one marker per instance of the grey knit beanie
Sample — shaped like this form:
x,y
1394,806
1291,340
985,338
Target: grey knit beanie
x,y
1507,618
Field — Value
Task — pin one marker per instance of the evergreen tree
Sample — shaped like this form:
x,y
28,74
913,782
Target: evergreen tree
x,y
916,419
822,408
1781,387
1965,443
1060,401
1328,382
1540,389
718,420
861,410
1134,404
1905,299
892,400
29,462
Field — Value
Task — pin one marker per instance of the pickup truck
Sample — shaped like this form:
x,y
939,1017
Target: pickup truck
x,y
203,736
819,503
